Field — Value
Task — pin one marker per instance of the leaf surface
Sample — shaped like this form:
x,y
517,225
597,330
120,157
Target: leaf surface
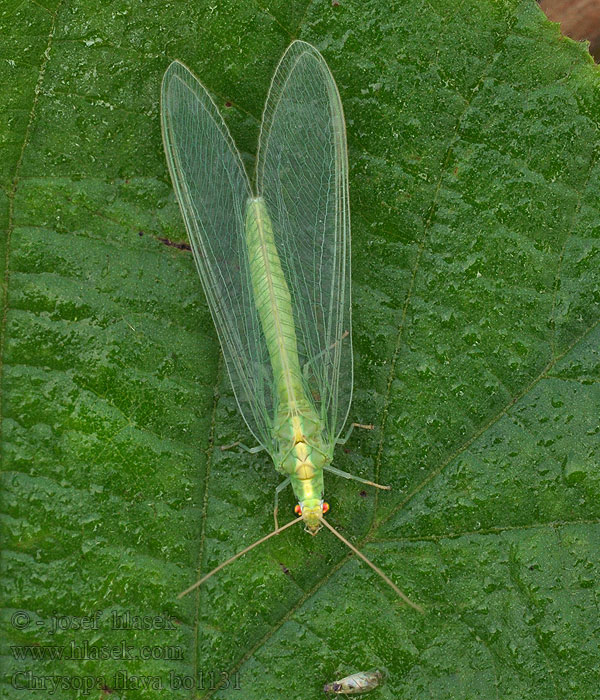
x,y
475,191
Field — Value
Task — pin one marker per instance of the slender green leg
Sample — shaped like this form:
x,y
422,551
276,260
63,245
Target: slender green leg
x,y
339,472
281,486
251,450
344,440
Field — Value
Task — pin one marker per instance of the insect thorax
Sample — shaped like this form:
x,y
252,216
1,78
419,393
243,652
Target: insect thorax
x,y
303,451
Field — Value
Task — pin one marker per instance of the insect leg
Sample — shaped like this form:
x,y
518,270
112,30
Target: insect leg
x,y
339,472
344,440
281,486
251,450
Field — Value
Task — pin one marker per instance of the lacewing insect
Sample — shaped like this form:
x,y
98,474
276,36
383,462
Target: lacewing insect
x,y
356,683
274,261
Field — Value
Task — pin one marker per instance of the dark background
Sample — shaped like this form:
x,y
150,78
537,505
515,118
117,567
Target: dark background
x,y
579,19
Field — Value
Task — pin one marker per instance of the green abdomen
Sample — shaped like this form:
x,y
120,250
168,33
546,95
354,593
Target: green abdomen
x,y
297,428
274,305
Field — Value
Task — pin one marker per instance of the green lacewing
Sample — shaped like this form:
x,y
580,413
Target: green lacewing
x,y
274,261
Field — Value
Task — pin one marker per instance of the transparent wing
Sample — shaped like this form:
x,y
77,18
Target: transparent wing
x,y
212,189
302,173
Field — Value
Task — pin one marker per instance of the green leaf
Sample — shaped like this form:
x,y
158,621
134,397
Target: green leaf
x,y
474,143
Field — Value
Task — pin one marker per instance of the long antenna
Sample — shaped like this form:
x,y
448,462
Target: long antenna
x,y
238,555
377,570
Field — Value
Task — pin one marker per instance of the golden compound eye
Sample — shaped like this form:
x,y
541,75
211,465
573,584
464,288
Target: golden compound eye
x,y
325,506
298,510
